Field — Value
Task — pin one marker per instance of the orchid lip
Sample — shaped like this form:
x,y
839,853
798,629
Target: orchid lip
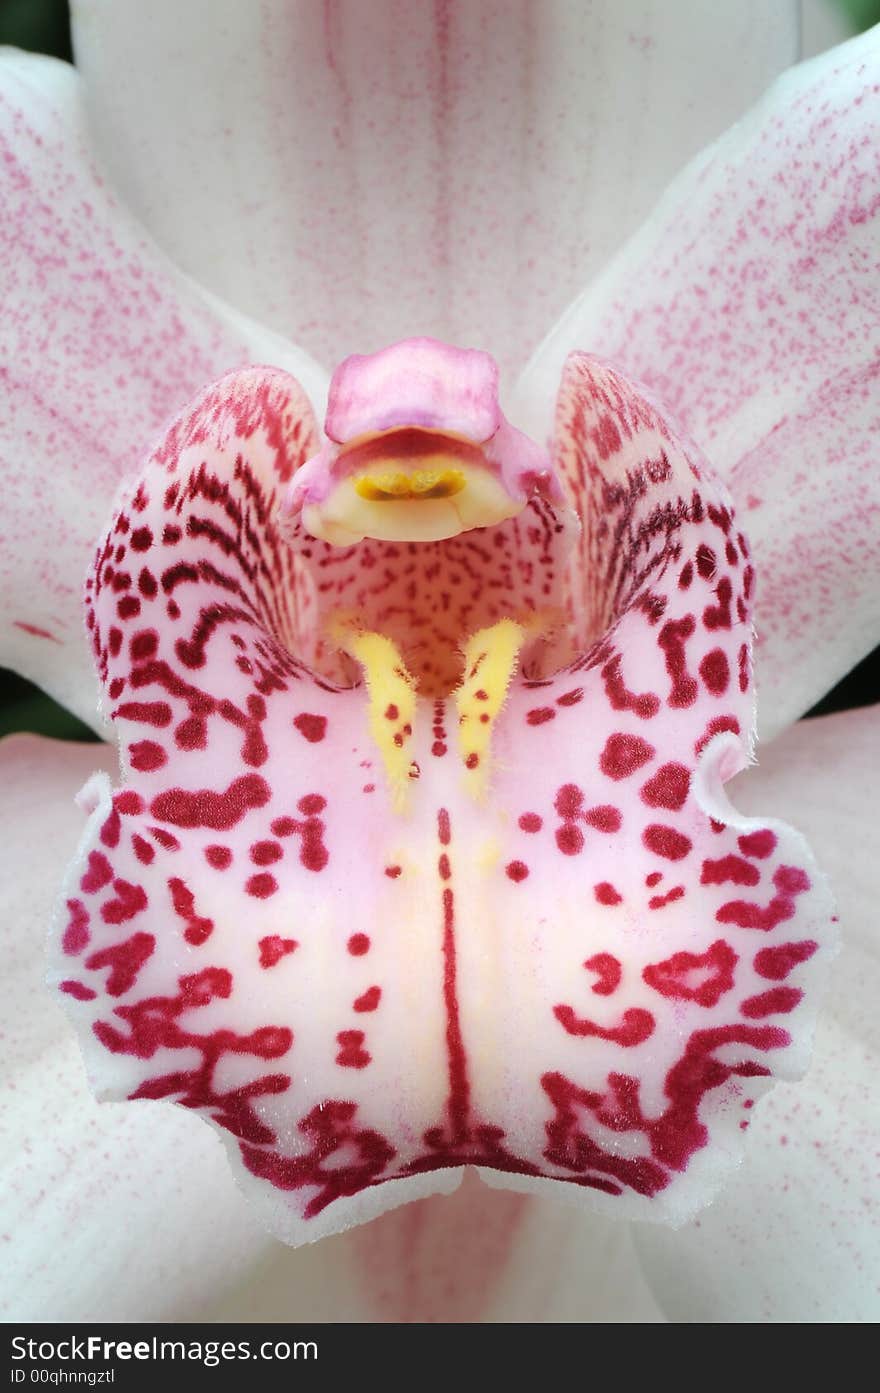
x,y
441,917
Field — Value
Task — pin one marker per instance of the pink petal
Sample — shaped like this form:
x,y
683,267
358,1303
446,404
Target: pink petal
x,y
796,1235
749,304
102,340
355,174
438,1007
95,1198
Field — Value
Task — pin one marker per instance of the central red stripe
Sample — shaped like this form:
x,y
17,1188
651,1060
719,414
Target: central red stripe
x,y
459,1086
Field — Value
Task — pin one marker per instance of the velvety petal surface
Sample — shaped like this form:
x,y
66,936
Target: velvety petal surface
x,y
750,304
102,340
113,1212
795,1237
94,1198
557,959
354,173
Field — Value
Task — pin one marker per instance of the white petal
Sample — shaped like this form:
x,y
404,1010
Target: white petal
x,y
796,1236
357,173
101,339
749,304
477,1255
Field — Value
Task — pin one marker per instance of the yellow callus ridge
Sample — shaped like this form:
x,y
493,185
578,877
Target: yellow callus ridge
x,y
490,659
391,693
391,486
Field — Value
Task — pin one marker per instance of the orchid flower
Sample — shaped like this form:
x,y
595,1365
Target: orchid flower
x,y
416,858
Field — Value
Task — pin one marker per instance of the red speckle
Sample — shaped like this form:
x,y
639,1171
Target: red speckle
x,y
623,755
369,1000
198,929
144,852
393,872
218,856
358,944
265,853
78,990
569,839
311,728
273,948
261,886
605,818
635,1026
666,842
98,874
672,638
609,971
539,715
703,978
352,1054
76,934
661,901
668,788
128,607
761,843
516,870
152,713
125,961
777,963
531,822
143,645
111,829
776,1001
205,808
192,734
141,539
606,894
791,880
715,672
146,755
705,561
130,900
729,868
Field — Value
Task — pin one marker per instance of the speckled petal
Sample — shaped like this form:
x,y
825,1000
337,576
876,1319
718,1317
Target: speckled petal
x,y
796,1235
560,974
95,1199
102,340
750,304
377,170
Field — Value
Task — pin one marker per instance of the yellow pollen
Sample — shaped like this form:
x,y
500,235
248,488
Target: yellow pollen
x,y
392,486
490,659
392,695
